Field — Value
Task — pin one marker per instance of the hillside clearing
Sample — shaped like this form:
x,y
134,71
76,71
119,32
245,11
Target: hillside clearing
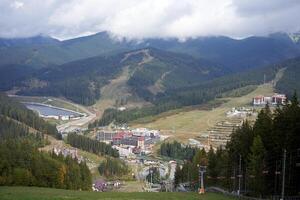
x,y
35,193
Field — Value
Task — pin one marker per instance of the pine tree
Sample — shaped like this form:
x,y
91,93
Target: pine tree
x,y
256,166
263,127
178,175
212,166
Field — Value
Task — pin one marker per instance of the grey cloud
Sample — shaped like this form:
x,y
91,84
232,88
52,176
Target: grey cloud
x,y
136,19
259,7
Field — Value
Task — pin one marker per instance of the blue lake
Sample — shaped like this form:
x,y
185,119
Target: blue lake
x,y
47,110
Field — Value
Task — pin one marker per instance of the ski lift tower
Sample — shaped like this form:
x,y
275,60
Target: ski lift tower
x,y
202,170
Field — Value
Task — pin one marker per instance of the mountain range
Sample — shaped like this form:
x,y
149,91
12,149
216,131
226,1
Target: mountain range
x,y
78,68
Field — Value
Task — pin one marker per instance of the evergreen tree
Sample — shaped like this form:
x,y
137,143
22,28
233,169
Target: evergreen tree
x,y
257,166
212,170
178,176
113,167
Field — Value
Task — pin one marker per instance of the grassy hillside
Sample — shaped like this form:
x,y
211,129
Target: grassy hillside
x,y
34,193
189,123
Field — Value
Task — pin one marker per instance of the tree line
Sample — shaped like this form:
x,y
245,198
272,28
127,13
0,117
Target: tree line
x,y
119,117
289,82
178,151
254,155
21,163
90,145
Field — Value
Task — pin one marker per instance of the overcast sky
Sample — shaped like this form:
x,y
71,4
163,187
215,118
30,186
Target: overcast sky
x,y
148,18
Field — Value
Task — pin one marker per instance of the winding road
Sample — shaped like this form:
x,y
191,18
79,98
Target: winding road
x,y
78,123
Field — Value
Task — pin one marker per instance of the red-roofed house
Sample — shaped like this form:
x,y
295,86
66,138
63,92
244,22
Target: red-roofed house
x,y
119,136
259,100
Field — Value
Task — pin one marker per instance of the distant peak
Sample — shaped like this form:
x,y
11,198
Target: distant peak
x,y
34,40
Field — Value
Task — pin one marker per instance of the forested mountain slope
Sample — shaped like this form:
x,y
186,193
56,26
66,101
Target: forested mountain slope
x,y
79,81
166,70
44,51
16,119
22,132
208,90
289,83
150,69
235,55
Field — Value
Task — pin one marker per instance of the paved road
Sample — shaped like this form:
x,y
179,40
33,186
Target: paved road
x,y
73,125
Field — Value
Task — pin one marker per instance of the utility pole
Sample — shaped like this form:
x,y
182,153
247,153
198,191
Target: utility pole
x,y
276,173
189,179
234,178
151,175
283,174
240,174
245,180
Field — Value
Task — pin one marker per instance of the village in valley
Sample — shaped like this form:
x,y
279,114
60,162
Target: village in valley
x,y
147,100
138,146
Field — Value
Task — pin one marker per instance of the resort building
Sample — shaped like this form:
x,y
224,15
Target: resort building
x,y
276,99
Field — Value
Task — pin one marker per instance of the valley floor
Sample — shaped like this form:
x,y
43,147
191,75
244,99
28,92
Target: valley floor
x,y
35,193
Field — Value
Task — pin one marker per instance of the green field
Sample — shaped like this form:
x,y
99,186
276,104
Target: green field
x,y
35,193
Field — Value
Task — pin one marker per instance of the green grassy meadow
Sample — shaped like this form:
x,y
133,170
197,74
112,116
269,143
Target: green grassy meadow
x,y
35,193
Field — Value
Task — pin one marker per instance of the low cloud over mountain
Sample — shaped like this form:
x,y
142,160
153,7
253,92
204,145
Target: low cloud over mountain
x,y
148,18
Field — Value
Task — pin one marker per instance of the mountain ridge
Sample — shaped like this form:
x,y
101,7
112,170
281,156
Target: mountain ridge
x,y
221,49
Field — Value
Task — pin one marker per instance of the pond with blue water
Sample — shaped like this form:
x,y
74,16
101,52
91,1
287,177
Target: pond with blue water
x,y
45,110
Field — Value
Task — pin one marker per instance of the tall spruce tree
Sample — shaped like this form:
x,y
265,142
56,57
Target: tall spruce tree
x,y
256,167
